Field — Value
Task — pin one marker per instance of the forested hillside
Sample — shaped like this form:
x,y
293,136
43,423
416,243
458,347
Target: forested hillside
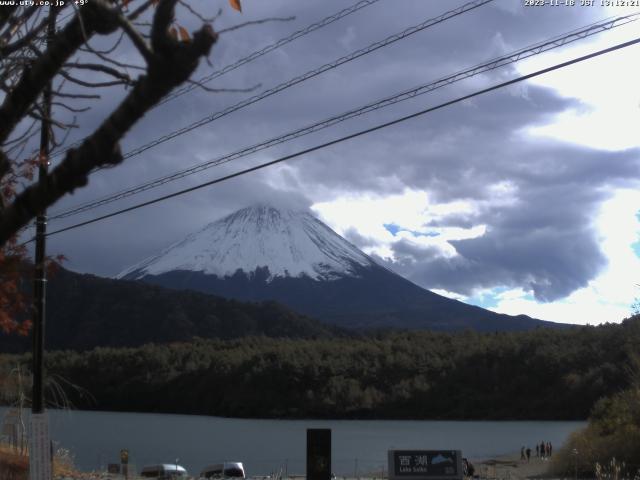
x,y
542,374
85,311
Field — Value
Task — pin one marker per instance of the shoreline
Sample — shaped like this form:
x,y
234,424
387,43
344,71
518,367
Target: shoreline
x,y
510,466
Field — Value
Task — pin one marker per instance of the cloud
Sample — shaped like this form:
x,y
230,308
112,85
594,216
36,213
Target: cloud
x,y
537,199
511,209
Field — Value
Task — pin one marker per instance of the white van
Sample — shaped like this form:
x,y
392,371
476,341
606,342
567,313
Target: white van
x,y
164,471
223,470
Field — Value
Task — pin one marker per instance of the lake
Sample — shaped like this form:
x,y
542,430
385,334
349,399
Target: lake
x,y
266,446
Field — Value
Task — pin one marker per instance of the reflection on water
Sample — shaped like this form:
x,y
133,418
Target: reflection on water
x,y
266,446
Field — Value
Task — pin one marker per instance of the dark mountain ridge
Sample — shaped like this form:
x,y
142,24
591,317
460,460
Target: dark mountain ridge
x,y
375,298
85,311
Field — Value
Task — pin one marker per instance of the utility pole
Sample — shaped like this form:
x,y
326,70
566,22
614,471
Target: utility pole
x,y
40,451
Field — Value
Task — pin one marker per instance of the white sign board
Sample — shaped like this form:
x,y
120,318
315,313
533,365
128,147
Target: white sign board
x,y
39,448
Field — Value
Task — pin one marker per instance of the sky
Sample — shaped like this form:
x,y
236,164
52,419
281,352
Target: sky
x,y
523,200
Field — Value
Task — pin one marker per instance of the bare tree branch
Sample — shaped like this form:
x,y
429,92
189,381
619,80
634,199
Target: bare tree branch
x,y
255,22
14,23
198,15
5,164
67,132
103,56
108,51
173,63
22,42
140,10
77,95
85,83
100,19
38,113
6,13
21,137
136,39
70,108
98,67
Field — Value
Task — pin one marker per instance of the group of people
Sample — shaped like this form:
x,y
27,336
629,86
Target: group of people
x,y
543,451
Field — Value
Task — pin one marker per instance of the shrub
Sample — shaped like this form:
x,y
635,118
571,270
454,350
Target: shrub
x,y
610,444
15,465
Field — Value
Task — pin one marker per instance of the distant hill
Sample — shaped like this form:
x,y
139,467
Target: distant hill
x,y
85,311
264,253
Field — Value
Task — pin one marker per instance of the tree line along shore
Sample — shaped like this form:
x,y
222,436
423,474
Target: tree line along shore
x,y
544,374
541,374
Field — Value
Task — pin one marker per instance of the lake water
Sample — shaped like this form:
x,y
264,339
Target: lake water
x,y
266,446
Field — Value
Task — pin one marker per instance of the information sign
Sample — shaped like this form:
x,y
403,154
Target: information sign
x,y
425,464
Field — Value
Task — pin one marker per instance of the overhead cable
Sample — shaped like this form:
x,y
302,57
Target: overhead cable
x,y
253,56
269,48
308,75
513,57
351,136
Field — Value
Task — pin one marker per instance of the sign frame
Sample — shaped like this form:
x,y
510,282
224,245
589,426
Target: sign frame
x,y
425,465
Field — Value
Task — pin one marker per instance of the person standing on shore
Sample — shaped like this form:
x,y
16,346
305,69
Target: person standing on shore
x,y
537,450
522,457
528,454
542,453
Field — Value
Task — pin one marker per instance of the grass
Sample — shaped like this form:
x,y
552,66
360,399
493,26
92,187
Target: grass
x,y
608,448
15,466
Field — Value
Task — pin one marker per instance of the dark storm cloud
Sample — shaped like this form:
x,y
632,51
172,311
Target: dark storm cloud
x,y
543,244
356,238
544,241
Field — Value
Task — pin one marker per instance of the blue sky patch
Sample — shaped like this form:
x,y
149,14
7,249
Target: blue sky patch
x,y
490,299
393,229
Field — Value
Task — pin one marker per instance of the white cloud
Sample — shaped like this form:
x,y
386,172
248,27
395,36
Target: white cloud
x,y
410,212
606,86
448,294
607,298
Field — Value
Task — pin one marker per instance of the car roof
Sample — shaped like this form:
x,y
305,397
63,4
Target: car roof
x,y
165,466
222,466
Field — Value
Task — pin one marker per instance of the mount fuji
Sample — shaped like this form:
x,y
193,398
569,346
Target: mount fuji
x,y
265,253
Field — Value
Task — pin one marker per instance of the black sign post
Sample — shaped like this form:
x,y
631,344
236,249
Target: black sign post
x,y
318,454
425,465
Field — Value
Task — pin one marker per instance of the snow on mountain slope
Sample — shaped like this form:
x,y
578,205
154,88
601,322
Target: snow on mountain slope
x,y
289,243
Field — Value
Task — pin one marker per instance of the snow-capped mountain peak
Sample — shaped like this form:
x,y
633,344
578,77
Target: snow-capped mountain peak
x,y
289,243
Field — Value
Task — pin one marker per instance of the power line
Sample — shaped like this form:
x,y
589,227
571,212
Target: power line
x,y
353,135
308,75
513,57
269,48
253,56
